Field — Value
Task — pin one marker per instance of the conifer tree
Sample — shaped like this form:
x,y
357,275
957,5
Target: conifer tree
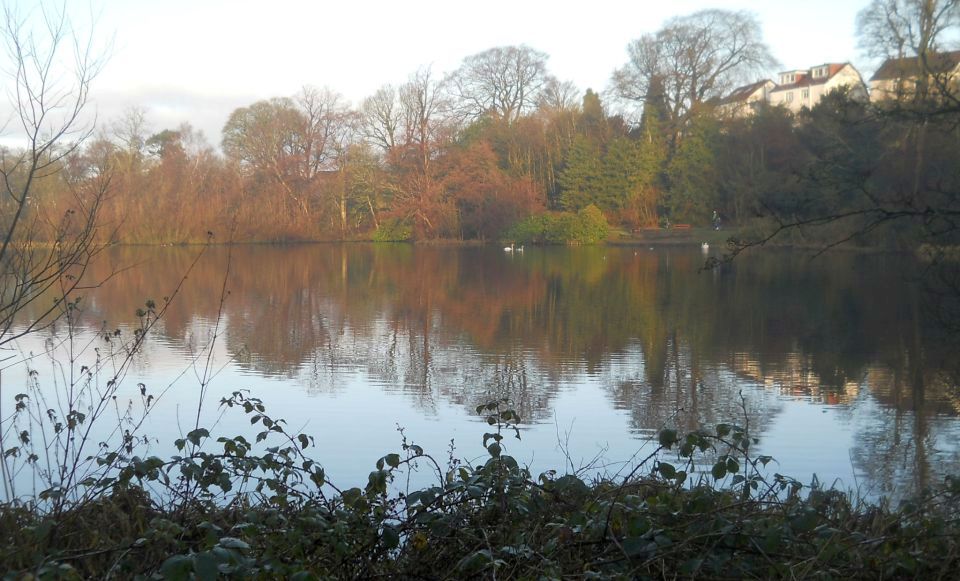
x,y
692,174
580,176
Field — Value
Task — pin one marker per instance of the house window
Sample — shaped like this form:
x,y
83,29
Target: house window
x,y
788,97
805,94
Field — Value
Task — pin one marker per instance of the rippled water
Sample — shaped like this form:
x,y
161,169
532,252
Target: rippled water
x,y
831,361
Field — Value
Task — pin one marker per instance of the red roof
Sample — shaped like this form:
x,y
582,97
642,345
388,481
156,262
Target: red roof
x,y
808,79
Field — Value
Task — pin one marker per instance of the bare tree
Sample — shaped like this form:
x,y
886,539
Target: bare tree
x,y
559,96
327,123
263,139
692,59
423,107
381,118
902,28
45,248
131,132
504,82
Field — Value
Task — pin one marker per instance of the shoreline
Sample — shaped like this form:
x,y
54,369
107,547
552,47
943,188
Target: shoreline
x,y
718,239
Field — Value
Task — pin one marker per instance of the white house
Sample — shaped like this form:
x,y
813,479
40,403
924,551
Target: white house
x,y
804,88
744,101
897,77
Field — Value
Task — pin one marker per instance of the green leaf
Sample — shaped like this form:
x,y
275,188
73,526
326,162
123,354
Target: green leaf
x,y
194,436
377,482
691,566
205,566
681,476
634,546
475,562
668,438
391,537
494,449
176,567
233,543
732,465
667,470
353,498
719,470
393,460
474,491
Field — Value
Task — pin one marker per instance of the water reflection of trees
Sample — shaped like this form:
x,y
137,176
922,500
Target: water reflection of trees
x,y
465,325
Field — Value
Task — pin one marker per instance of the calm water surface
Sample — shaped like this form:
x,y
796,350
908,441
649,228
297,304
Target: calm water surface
x,y
830,360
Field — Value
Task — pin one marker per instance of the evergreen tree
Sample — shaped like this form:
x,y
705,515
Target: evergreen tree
x,y
652,152
620,175
692,174
581,174
593,119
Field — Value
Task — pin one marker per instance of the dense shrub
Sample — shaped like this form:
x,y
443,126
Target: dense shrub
x,y
587,226
393,230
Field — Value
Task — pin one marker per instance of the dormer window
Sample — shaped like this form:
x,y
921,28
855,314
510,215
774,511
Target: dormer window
x,y
788,78
821,72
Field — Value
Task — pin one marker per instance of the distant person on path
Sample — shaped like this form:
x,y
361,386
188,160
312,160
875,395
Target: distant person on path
x,y
716,220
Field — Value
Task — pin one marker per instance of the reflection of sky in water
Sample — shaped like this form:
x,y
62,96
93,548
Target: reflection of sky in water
x,y
354,419
361,369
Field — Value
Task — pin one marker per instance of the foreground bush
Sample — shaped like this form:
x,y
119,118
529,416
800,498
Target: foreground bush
x,y
227,507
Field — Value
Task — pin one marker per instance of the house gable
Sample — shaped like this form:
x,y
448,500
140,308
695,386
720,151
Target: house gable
x,y
897,77
813,84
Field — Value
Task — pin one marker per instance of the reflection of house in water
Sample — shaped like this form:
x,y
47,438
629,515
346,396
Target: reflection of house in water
x,y
937,395
794,377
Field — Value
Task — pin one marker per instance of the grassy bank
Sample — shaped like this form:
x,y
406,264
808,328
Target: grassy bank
x,y
698,506
675,237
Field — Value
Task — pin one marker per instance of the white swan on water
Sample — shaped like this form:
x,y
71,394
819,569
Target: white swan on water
x,y
508,248
705,247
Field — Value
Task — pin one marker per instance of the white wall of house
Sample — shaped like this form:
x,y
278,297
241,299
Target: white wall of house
x,y
846,77
796,98
748,105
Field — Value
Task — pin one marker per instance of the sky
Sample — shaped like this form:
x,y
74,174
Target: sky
x,y
198,60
